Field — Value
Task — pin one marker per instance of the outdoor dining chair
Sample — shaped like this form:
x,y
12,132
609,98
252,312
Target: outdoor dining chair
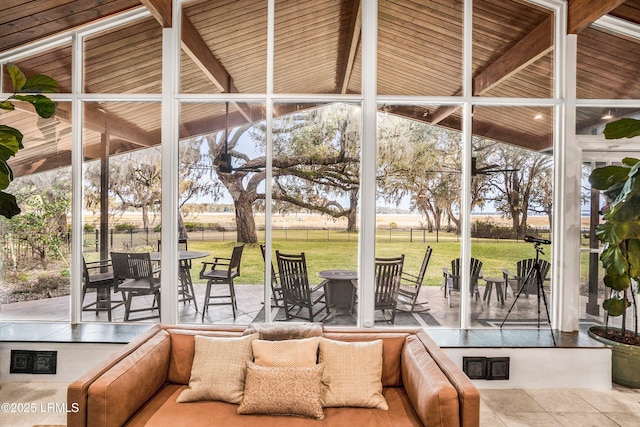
x,y
411,284
134,275
451,279
98,276
298,296
388,275
222,271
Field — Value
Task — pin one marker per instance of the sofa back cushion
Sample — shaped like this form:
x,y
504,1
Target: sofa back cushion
x,y
392,344
183,350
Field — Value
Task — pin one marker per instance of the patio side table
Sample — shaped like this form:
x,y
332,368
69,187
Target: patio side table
x,y
491,282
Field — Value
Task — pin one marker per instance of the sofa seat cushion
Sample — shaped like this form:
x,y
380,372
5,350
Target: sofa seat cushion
x,y
163,410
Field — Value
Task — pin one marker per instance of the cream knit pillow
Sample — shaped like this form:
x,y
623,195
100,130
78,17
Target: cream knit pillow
x,y
218,370
352,373
289,353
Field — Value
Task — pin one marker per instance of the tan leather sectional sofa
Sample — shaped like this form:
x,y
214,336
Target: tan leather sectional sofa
x,y
139,385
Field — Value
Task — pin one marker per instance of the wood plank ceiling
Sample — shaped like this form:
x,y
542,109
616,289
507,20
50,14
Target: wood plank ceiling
x,y
317,51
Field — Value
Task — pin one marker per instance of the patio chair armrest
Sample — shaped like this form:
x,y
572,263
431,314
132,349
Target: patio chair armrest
x,y
319,286
445,272
506,274
409,276
213,265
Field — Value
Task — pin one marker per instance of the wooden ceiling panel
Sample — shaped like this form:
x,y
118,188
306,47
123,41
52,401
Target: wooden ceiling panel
x,y
23,22
608,66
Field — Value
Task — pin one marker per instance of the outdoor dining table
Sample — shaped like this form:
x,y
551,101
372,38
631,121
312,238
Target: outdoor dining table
x,y
340,288
184,273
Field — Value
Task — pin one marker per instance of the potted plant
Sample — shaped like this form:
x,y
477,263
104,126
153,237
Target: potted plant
x,y
28,90
620,233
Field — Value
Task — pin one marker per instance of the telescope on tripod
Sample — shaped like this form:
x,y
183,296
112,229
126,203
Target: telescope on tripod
x,y
534,271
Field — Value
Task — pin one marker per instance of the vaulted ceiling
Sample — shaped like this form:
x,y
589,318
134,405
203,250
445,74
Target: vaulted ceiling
x,y
317,51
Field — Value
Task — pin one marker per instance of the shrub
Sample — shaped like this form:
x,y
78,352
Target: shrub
x,y
124,227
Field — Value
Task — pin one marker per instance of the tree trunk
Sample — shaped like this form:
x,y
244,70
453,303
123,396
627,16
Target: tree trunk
x,y
182,230
245,221
353,210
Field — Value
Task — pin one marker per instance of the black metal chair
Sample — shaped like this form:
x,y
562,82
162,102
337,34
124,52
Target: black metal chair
x,y
276,288
222,271
98,276
411,284
451,279
388,277
134,275
517,281
296,291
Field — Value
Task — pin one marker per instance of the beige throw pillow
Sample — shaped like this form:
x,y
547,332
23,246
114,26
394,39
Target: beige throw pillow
x,y
283,391
352,374
289,353
218,369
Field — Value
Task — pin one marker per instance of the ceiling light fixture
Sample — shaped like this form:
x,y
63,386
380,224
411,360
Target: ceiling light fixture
x,y
607,116
538,116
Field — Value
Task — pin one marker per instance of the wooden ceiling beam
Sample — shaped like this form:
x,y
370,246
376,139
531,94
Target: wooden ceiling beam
x,y
96,120
533,46
161,10
197,49
526,51
353,40
583,13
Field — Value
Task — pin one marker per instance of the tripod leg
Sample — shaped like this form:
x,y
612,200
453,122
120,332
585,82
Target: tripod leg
x,y
515,299
546,307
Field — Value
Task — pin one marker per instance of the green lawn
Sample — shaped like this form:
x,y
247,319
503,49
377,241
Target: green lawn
x,y
343,254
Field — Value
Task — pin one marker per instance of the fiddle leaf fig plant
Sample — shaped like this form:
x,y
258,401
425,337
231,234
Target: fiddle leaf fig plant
x,y
29,90
620,231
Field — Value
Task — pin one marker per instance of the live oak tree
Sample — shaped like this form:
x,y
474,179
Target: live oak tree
x,y
315,165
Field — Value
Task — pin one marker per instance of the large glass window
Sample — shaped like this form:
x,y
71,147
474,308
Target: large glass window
x,y
315,203
36,252
320,36
417,208
221,206
125,59
224,47
511,198
122,197
420,48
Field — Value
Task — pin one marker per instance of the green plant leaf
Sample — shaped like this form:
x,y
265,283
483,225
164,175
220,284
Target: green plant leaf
x,y
40,84
633,257
626,209
8,205
610,233
7,105
614,261
614,306
619,283
607,176
17,77
630,161
6,175
623,128
11,138
43,105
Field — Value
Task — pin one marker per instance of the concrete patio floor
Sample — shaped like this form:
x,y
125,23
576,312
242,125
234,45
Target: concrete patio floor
x,y
249,301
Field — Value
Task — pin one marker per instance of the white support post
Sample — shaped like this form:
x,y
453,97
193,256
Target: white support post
x,y
170,176
77,160
367,236
269,160
568,175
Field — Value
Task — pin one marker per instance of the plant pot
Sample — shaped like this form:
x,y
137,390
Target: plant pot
x,y
625,360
